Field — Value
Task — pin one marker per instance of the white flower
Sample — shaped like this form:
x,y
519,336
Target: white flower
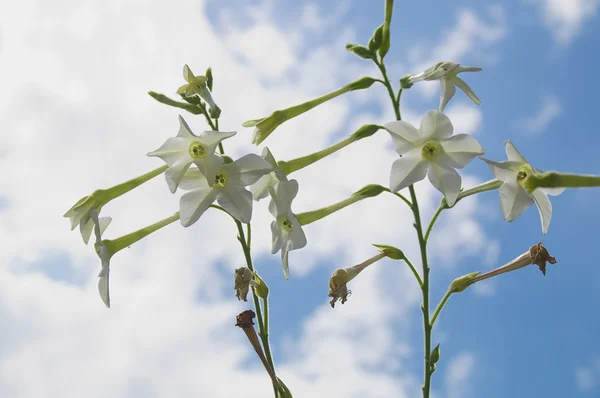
x,y
80,214
432,150
196,85
285,229
446,73
181,151
105,255
227,188
260,189
514,199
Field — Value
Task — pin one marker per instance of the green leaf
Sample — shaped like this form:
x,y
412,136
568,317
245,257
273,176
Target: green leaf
x,y
435,355
361,51
209,78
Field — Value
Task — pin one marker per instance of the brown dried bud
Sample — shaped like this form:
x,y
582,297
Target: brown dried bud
x,y
242,279
539,257
244,320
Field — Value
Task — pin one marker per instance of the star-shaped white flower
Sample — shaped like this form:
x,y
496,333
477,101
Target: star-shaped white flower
x,y
80,214
260,189
285,229
228,188
447,74
196,85
186,148
105,255
514,199
431,151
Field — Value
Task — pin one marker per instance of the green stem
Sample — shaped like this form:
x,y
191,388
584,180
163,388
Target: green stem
x,y
262,331
440,306
432,222
414,271
403,198
425,292
422,245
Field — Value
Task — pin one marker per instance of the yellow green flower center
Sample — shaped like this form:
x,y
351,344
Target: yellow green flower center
x,y
286,224
220,180
524,172
430,150
197,150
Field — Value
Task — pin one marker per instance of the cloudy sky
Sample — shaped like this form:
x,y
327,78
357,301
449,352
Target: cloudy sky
x,y
75,116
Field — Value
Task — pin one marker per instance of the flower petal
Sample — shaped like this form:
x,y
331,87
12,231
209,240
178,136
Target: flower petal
x,y
513,200
553,191
435,125
86,231
174,174
447,90
544,208
184,129
103,290
174,149
192,179
210,139
209,166
404,135
513,154
250,168
188,75
276,237
468,69
238,202
260,189
297,236
461,149
283,195
407,170
194,203
465,87
505,171
285,259
446,180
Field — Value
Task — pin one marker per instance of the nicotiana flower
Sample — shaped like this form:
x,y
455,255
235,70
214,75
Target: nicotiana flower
x,y
447,74
80,214
260,189
285,229
431,151
514,199
106,248
227,188
196,85
186,148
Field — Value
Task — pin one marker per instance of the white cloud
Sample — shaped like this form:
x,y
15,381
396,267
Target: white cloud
x,y
587,378
458,374
548,112
565,18
84,121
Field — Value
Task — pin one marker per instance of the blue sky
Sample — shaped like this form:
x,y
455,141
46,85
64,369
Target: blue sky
x,y
77,118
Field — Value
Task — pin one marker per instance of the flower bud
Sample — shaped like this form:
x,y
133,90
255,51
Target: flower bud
x,y
460,284
361,51
376,39
391,252
338,289
242,279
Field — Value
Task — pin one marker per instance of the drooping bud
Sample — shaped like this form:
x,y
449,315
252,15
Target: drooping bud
x,y
338,289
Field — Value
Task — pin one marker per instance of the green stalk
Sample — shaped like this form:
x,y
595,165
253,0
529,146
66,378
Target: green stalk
x,y
263,322
423,246
120,189
440,306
